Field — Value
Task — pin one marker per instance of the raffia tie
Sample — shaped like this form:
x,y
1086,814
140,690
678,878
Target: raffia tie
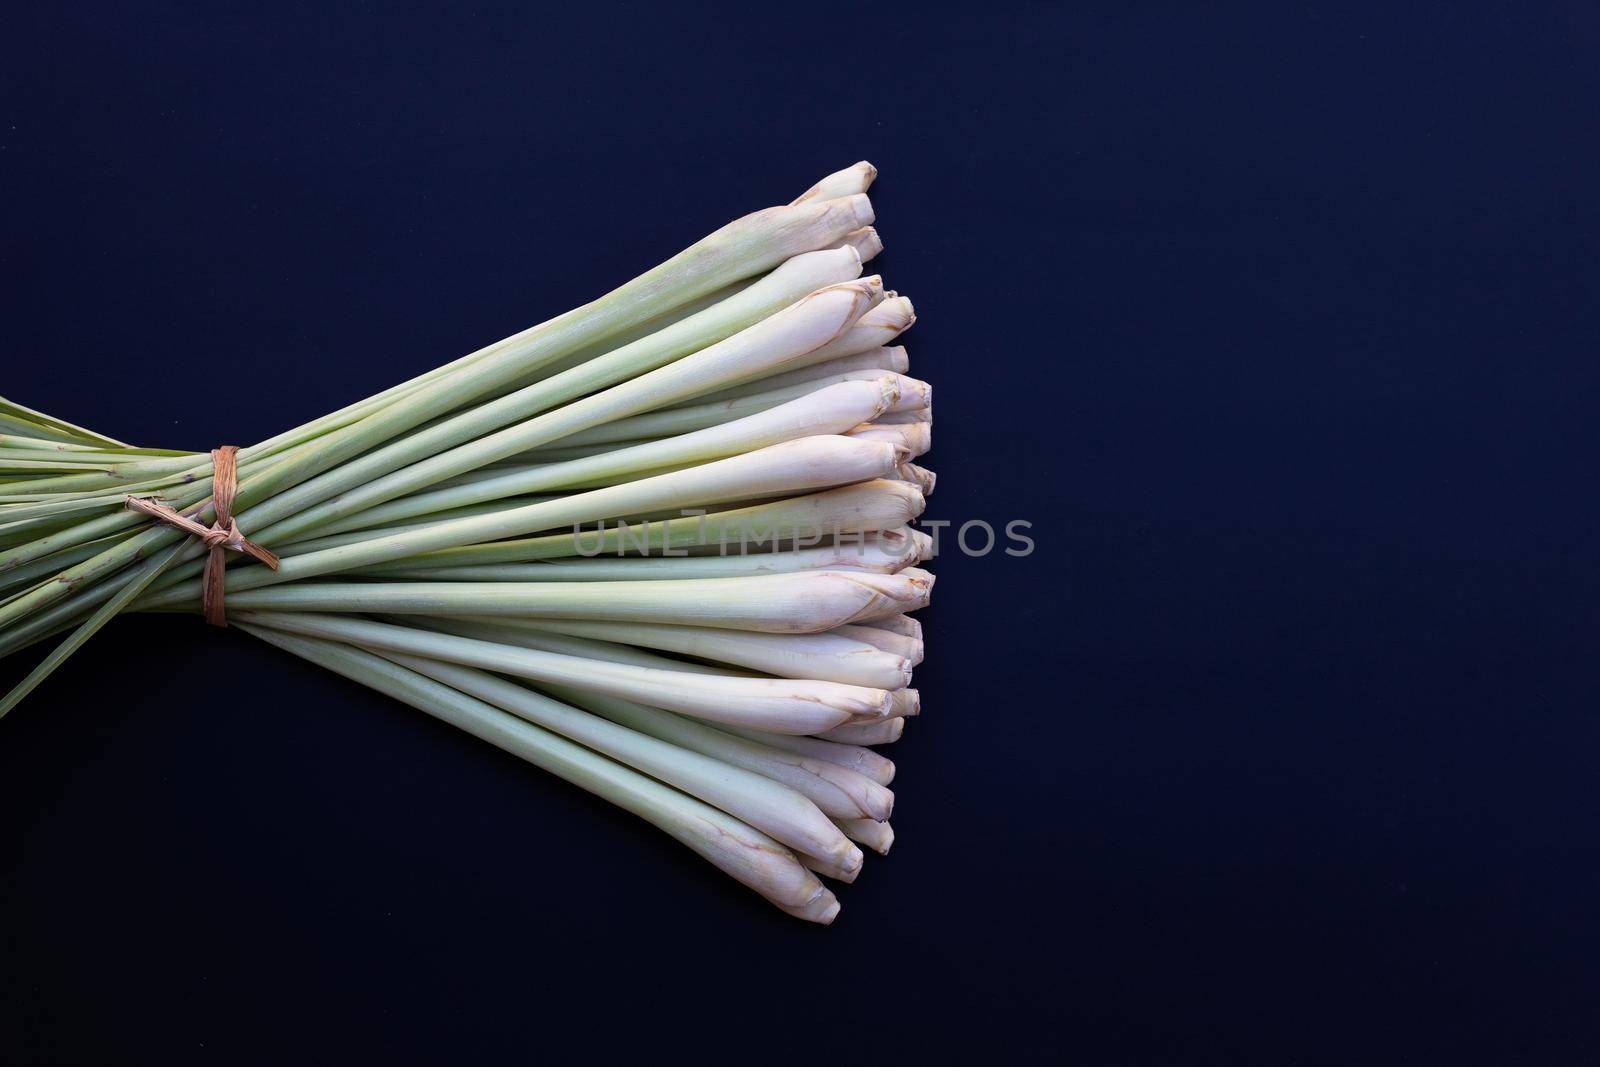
x,y
221,537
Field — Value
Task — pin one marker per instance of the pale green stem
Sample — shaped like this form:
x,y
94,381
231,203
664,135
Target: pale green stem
x,y
739,850
778,705
856,758
808,602
885,553
839,791
659,424
833,656
774,809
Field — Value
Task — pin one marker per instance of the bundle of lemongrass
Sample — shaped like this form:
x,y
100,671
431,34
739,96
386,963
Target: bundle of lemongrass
x,y
659,545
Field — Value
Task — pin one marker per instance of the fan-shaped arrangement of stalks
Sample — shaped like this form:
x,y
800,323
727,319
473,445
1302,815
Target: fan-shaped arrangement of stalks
x,y
659,545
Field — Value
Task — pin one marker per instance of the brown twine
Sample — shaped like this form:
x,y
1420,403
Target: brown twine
x,y
221,537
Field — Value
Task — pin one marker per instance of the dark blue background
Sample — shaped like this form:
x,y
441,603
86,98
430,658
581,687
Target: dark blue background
x,y
1278,322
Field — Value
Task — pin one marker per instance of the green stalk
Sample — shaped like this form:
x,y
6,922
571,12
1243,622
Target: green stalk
x,y
833,656
862,761
739,850
853,510
778,705
49,565
683,420
877,328
891,360
809,602
888,552
105,614
774,809
52,428
838,791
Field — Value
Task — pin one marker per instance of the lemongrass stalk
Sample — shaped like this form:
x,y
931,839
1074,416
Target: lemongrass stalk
x,y
22,531
829,869
319,542
17,509
673,421
898,624
865,241
779,705
850,756
49,565
57,618
325,538
888,552
826,411
907,648
18,448
10,441
839,792
921,477
831,656
775,313
878,836
642,328
316,542
913,438
789,467
739,850
870,733
772,808
891,360
59,429
856,178
15,461
905,703
803,603
559,453
141,578
923,413
855,758
863,510
25,428
878,327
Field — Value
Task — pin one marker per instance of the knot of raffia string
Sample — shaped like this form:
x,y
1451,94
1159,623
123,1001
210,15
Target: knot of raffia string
x,y
220,538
